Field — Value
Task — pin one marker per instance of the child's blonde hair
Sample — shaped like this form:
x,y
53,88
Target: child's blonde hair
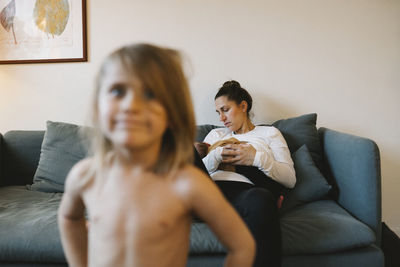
x,y
160,71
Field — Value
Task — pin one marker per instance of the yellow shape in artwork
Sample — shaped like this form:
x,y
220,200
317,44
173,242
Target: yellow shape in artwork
x,y
51,16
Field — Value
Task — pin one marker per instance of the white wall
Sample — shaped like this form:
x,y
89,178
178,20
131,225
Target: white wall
x,y
338,58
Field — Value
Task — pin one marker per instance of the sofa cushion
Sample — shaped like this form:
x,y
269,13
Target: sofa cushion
x,y
29,230
20,148
318,227
203,240
63,146
28,225
310,186
302,130
322,227
203,130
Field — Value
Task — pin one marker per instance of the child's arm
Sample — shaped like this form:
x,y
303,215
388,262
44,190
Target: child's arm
x,y
209,204
71,219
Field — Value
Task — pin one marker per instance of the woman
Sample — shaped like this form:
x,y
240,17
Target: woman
x,y
251,166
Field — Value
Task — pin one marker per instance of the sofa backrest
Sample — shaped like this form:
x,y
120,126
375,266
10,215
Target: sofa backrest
x,y
21,149
20,152
203,130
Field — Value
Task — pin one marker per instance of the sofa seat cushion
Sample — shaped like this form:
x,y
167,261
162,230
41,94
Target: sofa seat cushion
x,y
28,226
29,232
203,240
322,227
315,228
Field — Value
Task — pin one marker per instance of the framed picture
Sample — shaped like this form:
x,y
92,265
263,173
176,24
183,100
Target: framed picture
x,y
42,31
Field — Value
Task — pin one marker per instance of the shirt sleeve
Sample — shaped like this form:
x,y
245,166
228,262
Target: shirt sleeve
x,y
275,160
214,158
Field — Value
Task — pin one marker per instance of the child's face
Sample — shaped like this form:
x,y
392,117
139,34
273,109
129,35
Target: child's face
x,y
129,115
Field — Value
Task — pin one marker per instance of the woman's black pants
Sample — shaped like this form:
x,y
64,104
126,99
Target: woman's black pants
x,y
258,208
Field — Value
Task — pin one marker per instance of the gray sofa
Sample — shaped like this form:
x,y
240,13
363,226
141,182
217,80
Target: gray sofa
x,y
341,228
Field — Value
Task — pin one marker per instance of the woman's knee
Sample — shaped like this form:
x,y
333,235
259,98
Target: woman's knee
x,y
258,195
258,201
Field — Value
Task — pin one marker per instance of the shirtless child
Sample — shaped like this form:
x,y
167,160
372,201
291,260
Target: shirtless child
x,y
140,188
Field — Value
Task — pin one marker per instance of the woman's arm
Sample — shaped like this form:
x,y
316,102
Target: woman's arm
x,y
209,204
275,160
213,158
71,220
282,172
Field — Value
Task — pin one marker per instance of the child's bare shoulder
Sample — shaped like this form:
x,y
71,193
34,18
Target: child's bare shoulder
x,y
79,176
192,174
192,179
200,193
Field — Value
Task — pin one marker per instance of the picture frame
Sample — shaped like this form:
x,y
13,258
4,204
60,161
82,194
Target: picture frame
x,y
42,31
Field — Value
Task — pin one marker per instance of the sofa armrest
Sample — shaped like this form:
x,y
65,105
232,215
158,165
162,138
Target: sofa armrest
x,y
354,164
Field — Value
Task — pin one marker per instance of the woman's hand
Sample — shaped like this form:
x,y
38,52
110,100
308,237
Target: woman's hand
x,y
238,154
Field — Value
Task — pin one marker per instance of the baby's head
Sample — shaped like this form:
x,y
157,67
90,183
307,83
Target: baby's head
x,y
141,99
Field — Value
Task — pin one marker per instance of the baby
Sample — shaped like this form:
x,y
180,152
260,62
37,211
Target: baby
x,y
140,188
203,149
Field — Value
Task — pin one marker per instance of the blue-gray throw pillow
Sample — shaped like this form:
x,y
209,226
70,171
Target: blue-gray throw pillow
x,y
302,130
63,146
310,186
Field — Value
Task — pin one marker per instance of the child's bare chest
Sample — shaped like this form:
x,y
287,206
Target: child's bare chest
x,y
144,209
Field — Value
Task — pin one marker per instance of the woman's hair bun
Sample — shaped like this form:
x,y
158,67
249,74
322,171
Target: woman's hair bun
x,y
234,92
231,83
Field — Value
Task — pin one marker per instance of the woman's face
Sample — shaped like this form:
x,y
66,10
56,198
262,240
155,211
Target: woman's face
x,y
232,115
129,115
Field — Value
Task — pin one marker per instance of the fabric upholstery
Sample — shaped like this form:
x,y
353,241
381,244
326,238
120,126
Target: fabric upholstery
x,y
203,240
310,186
203,130
370,256
28,225
354,163
29,230
19,156
206,260
300,131
322,227
63,146
29,234
318,227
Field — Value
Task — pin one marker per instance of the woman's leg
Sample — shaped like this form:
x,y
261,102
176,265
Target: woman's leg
x,y
258,208
232,189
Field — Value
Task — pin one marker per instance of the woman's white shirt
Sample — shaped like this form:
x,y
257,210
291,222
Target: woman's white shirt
x,y
272,155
